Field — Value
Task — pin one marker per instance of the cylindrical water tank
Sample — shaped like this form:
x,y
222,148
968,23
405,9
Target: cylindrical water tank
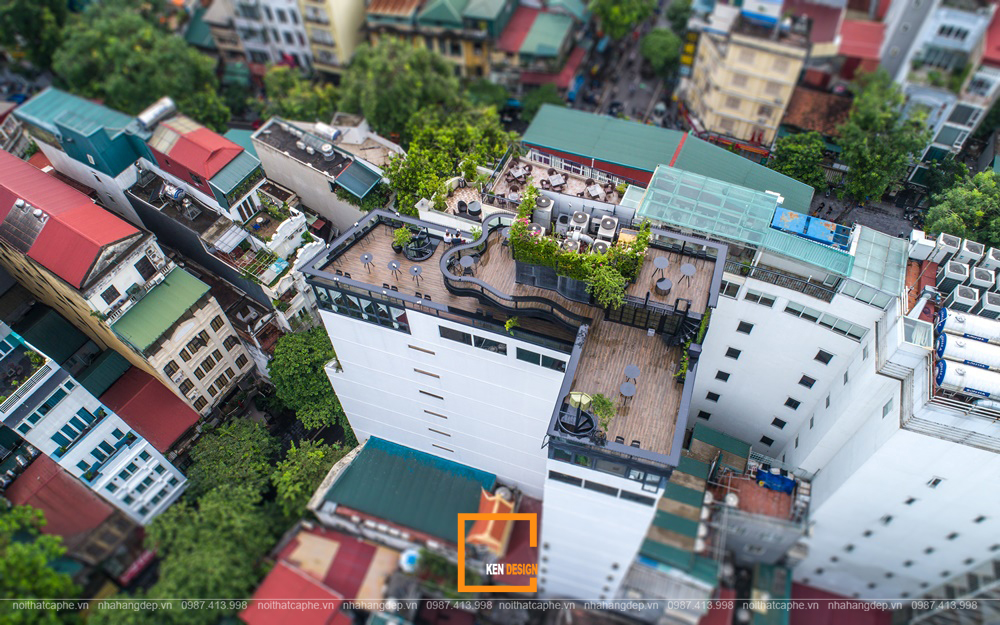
x,y
968,351
967,325
965,379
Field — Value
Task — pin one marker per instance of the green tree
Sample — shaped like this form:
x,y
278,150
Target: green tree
x,y
485,92
970,209
619,17
877,141
390,82
662,48
237,453
25,571
129,62
534,99
944,174
301,383
291,96
679,12
34,27
300,473
800,156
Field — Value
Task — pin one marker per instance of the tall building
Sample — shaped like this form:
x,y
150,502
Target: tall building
x,y
56,415
334,29
744,72
113,281
259,32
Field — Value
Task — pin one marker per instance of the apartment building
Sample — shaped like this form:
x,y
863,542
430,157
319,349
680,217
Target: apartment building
x,y
114,282
260,32
334,29
745,70
60,418
944,55
199,192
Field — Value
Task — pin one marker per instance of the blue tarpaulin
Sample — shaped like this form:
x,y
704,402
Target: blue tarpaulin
x,y
775,482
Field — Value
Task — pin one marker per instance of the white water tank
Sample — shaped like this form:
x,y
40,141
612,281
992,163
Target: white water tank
x,y
157,112
326,131
968,352
991,259
968,379
945,247
962,299
968,325
950,275
988,306
921,247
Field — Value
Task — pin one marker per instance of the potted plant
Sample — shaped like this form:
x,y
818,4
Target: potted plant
x,y
604,409
401,237
510,324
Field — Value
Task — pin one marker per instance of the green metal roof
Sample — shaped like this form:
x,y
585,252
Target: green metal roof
x,y
720,440
667,554
84,116
198,32
484,9
776,581
710,160
722,209
358,179
103,372
242,138
609,139
235,172
51,333
546,35
156,313
693,467
574,7
683,494
880,261
674,523
447,11
410,488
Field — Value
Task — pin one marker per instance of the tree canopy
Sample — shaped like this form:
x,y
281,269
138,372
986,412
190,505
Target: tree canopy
x,y
129,62
25,571
534,99
800,156
300,473
485,92
391,81
662,48
679,12
877,141
619,17
238,453
291,96
34,27
970,209
301,383
943,175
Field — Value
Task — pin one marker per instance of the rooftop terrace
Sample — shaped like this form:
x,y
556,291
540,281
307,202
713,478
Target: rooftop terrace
x,y
645,332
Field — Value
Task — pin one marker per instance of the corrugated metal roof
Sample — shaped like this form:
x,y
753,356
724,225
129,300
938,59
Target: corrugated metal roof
x,y
294,588
150,408
52,105
76,231
596,136
149,319
720,441
103,372
676,524
51,333
447,11
242,138
880,261
693,467
358,179
193,146
410,488
484,9
198,32
548,31
235,172
517,29
574,7
684,494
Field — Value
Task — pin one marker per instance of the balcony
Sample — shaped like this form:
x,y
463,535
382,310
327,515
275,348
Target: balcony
x,y
136,293
784,280
98,415
20,370
316,18
94,472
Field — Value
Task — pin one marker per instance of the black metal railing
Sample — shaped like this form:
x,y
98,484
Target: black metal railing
x,y
781,279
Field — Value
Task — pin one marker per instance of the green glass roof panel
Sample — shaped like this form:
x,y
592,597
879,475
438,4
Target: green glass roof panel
x,y
880,261
156,313
358,179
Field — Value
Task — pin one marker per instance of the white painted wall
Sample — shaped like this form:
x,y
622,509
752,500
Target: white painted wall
x,y
495,409
111,191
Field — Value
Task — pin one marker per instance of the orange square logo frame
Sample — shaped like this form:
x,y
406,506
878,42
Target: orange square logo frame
x,y
532,520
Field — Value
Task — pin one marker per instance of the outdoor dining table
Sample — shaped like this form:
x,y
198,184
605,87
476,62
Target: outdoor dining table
x,y
518,172
594,190
557,179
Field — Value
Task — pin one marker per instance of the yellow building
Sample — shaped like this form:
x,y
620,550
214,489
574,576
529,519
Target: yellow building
x,y
334,29
742,80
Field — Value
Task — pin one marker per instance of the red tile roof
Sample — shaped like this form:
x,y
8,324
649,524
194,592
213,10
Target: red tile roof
x,y
563,78
809,109
991,49
861,39
199,149
77,229
156,413
349,566
517,29
393,7
71,509
824,614
825,19
273,603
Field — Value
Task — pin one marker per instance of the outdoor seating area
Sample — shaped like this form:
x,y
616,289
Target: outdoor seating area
x,y
511,182
263,225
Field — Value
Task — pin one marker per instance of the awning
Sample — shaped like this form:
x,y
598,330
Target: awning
x,y
231,238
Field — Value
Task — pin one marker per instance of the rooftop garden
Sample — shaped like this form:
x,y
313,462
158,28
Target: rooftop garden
x,y
952,80
607,275
16,368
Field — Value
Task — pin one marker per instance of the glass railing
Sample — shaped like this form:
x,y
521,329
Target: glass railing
x,y
783,280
